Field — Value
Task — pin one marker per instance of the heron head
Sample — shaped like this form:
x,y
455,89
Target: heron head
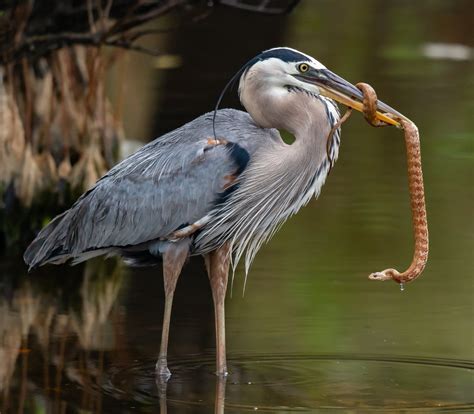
x,y
280,71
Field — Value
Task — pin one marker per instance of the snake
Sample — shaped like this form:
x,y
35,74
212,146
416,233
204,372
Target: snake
x,y
416,189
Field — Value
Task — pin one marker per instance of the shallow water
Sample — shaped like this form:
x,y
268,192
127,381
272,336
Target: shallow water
x,y
311,333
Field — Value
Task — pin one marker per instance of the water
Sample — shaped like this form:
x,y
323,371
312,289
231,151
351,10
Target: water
x,y
311,334
300,383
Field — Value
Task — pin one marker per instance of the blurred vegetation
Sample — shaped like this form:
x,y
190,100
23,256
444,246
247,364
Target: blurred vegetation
x,y
59,131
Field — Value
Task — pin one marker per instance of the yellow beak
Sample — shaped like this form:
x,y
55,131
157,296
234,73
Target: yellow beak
x,y
352,103
342,91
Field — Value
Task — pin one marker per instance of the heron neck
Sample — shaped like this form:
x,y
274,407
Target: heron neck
x,y
301,114
311,129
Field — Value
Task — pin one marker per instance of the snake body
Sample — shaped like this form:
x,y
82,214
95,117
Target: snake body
x,y
417,193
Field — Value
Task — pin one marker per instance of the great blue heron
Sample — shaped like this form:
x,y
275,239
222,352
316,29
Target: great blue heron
x,y
214,187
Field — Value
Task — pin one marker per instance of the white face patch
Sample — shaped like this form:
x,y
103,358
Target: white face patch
x,y
272,74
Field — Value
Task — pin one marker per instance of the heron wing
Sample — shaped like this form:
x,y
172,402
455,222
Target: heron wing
x,y
169,183
153,198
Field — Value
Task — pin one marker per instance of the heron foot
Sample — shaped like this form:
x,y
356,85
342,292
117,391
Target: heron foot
x,y
222,373
162,370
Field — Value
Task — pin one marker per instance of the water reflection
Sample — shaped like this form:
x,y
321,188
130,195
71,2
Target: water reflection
x,y
289,383
55,329
219,397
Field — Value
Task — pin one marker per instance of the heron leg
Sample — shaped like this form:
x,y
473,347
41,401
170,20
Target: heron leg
x,y
173,261
217,265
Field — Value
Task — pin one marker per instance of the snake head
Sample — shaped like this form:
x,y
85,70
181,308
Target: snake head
x,y
387,274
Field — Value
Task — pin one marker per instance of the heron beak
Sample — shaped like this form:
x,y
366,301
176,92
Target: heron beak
x,y
342,91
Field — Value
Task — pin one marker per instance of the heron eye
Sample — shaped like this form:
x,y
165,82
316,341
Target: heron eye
x,y
303,67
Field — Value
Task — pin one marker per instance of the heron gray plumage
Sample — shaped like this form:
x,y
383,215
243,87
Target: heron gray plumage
x,y
192,193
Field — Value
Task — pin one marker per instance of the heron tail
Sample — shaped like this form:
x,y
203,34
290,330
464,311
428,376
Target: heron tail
x,y
48,246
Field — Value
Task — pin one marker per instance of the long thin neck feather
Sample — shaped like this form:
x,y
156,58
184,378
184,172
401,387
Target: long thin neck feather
x,y
280,178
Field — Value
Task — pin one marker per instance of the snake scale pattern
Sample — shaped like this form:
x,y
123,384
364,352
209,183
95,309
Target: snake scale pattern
x,y
417,193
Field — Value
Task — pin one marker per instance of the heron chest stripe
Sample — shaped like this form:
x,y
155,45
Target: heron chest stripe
x,y
241,158
229,180
239,155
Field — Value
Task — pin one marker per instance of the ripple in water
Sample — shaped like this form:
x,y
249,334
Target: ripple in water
x,y
293,383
